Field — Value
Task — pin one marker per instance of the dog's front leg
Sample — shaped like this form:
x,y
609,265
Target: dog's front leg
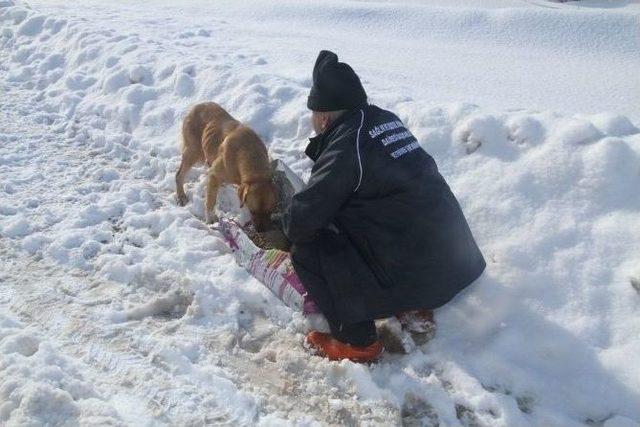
x,y
210,198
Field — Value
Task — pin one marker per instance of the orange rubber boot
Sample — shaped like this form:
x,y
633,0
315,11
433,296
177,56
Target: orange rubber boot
x,y
329,347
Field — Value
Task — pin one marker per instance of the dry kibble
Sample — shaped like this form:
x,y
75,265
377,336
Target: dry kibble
x,y
271,239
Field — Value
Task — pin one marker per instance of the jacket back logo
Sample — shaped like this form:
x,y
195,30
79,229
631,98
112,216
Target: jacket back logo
x,y
402,139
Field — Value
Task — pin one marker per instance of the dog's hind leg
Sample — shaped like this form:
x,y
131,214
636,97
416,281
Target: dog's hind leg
x,y
188,160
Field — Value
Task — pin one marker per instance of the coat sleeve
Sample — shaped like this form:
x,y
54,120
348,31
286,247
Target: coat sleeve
x,y
333,179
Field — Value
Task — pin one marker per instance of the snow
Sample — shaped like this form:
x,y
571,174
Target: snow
x,y
38,385
18,227
117,306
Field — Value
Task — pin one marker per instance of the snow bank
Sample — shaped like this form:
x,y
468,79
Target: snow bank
x,y
548,336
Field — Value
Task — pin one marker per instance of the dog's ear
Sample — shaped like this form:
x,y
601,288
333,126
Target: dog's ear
x,y
243,191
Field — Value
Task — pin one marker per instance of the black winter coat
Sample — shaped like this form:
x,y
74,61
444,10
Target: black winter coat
x,y
373,181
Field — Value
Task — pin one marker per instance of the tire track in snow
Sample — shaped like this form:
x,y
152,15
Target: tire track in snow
x,y
117,364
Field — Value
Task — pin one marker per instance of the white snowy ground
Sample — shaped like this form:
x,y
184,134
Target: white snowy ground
x,y
119,307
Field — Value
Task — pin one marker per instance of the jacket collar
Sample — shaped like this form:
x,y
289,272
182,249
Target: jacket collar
x,y
318,143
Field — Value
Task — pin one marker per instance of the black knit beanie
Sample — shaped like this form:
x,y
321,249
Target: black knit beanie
x,y
335,85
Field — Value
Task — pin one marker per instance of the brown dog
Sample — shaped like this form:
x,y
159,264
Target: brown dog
x,y
234,154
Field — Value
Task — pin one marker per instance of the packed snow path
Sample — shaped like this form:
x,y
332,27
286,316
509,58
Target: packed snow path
x,y
117,306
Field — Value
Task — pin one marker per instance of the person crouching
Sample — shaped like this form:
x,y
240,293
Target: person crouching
x,y
376,232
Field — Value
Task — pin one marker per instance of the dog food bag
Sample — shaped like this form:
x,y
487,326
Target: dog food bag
x,y
287,182
285,179
272,267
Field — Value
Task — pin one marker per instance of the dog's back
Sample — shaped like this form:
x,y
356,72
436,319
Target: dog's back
x,y
204,128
